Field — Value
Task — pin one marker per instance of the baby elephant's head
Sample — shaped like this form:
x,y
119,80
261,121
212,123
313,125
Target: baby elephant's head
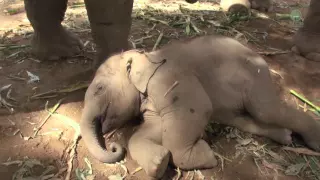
x,y
113,98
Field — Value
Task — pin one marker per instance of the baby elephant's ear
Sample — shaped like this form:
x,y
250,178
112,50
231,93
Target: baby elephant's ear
x,y
142,68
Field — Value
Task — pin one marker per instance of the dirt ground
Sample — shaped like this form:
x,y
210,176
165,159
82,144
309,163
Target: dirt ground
x,y
55,151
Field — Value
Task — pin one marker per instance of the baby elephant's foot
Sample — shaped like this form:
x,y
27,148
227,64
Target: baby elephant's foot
x,y
158,165
54,44
282,136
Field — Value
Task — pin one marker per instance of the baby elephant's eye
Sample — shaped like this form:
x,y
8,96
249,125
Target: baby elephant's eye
x,y
99,89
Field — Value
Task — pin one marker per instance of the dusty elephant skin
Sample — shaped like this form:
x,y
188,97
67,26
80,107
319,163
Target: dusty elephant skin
x,y
178,90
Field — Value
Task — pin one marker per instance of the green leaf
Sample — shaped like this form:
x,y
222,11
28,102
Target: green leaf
x,y
296,15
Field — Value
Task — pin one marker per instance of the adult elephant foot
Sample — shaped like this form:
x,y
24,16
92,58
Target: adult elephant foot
x,y
55,44
306,40
306,44
191,1
262,5
50,41
243,6
236,6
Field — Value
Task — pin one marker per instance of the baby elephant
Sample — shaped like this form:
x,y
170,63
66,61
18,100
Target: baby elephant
x,y
178,90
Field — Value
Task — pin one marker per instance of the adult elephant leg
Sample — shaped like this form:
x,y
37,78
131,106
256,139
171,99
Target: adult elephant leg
x,y
263,104
50,40
145,146
110,23
247,124
307,38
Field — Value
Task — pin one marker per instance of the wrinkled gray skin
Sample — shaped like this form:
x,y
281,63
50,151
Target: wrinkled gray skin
x,y
179,90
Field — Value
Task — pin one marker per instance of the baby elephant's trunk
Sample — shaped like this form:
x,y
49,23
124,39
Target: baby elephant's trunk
x,y
92,136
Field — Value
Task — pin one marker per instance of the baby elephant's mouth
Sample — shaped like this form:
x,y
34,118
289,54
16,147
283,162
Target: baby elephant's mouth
x,y
105,123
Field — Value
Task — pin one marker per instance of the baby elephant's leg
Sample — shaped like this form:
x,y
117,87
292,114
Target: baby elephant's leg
x,y
247,124
264,105
145,148
188,151
184,121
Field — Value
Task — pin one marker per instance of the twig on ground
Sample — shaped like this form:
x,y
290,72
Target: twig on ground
x,y
10,97
266,53
302,151
16,78
72,154
77,6
54,92
275,72
60,172
157,42
13,54
222,158
179,173
12,46
76,138
256,163
47,97
55,107
140,40
3,102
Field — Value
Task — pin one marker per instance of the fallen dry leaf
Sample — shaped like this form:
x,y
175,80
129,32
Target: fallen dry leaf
x,y
294,169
